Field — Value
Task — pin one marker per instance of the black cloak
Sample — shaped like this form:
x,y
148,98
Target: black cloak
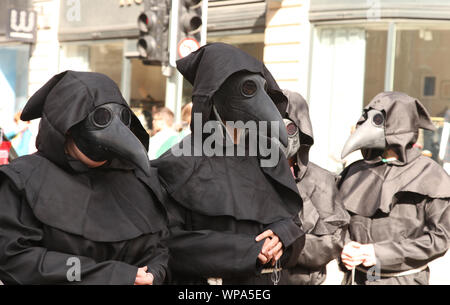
x,y
324,218
225,202
54,208
402,207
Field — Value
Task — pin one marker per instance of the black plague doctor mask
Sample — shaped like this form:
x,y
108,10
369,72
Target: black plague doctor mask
x,y
88,107
243,97
105,133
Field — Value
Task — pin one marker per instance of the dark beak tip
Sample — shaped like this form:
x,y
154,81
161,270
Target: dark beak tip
x,y
143,162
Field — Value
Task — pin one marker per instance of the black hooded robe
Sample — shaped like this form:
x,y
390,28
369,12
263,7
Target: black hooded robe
x,y
223,203
402,207
324,218
55,212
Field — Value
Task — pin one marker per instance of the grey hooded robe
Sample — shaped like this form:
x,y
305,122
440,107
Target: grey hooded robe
x,y
324,218
402,207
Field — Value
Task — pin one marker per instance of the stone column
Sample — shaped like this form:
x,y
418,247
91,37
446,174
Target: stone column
x,y
287,42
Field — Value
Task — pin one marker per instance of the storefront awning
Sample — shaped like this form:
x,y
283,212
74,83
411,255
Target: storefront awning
x,y
100,19
329,10
107,19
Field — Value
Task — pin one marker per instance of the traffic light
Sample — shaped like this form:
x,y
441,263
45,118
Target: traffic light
x,y
189,26
153,24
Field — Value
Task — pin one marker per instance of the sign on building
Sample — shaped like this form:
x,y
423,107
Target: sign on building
x,y
21,25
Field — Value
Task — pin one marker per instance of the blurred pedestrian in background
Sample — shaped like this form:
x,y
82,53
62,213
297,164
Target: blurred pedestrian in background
x,y
184,128
164,134
20,136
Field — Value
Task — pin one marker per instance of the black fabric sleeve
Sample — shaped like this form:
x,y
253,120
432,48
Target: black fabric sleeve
x,y
207,253
155,255
23,260
292,237
288,230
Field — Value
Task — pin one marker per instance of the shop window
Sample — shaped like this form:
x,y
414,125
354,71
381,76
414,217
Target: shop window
x,y
422,72
429,86
102,57
347,71
375,66
148,88
13,81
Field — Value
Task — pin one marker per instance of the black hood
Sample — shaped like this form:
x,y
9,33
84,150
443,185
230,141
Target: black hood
x,y
298,112
208,68
237,185
404,115
67,99
104,204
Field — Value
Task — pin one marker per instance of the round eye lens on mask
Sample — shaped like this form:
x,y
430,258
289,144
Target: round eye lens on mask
x,y
102,117
249,88
378,119
125,116
291,129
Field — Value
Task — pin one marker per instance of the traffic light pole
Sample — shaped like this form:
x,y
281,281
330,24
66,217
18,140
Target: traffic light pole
x,y
174,94
174,82
204,22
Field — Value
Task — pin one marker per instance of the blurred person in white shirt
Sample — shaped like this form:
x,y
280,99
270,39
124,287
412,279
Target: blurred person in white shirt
x,y
164,132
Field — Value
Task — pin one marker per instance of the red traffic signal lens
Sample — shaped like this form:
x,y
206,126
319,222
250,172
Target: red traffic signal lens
x,y
143,22
146,21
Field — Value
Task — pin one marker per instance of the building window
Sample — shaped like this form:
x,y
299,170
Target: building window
x,y
420,66
353,62
347,71
102,57
142,86
13,81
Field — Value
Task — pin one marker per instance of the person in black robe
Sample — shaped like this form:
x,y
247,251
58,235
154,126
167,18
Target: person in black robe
x,y
86,207
236,219
398,199
323,217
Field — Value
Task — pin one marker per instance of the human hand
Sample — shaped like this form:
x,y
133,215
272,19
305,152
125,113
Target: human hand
x,y
272,248
143,277
368,251
352,255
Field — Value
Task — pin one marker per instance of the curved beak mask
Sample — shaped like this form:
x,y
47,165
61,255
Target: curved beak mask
x,y
243,97
369,134
105,133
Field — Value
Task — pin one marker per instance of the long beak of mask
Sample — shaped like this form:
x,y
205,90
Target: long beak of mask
x,y
106,134
243,97
369,134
